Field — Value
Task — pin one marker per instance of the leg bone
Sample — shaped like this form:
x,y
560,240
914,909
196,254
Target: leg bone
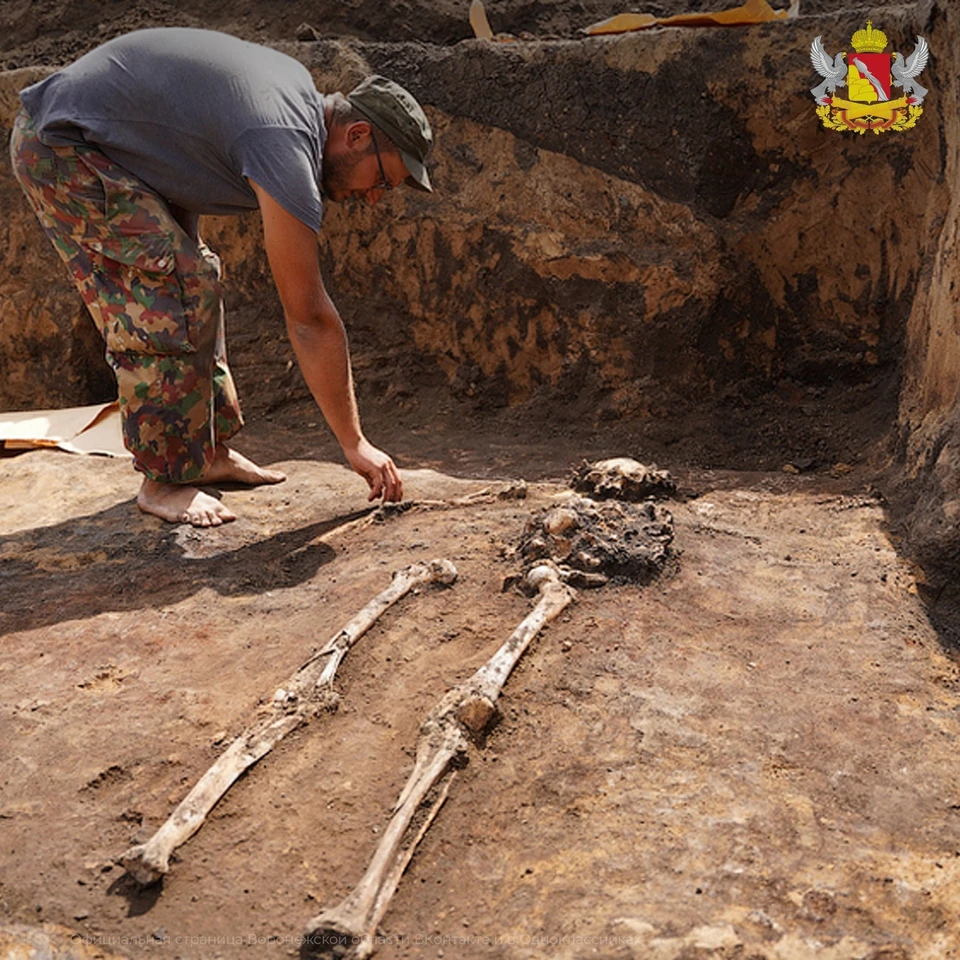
x,y
304,694
346,930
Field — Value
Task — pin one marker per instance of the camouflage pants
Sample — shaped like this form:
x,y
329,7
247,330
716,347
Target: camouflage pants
x,y
153,291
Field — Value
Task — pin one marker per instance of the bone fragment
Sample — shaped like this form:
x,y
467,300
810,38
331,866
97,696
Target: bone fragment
x,y
622,478
347,930
514,490
304,694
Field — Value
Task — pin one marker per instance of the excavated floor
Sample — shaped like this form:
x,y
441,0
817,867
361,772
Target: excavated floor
x,y
752,756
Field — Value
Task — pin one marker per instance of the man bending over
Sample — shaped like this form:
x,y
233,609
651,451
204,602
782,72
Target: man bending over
x,y
122,151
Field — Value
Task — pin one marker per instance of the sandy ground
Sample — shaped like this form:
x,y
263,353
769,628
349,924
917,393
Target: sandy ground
x,y
754,756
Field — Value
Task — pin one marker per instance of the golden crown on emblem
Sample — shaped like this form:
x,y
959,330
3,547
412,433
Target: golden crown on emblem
x,y
869,40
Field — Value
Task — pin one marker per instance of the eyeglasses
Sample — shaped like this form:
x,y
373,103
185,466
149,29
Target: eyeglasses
x,y
384,183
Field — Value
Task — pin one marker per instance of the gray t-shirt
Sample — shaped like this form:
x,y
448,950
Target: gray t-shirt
x,y
192,113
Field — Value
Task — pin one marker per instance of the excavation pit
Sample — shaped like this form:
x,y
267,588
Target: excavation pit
x,y
642,243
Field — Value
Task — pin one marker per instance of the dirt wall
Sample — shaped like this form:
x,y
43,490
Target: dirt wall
x,y
772,256
925,476
643,216
57,31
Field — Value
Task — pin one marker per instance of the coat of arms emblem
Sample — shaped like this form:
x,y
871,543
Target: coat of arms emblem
x,y
869,75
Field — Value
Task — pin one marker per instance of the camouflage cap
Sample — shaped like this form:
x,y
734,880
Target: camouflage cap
x,y
394,111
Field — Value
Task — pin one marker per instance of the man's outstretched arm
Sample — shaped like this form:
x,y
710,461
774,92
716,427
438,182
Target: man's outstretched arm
x,y
320,341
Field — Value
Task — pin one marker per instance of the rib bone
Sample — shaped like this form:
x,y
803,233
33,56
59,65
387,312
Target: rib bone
x,y
304,694
347,930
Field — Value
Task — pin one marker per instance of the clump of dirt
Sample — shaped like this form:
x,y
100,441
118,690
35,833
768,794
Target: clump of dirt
x,y
601,540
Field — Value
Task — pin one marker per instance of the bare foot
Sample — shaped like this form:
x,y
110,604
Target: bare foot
x,y
179,503
231,467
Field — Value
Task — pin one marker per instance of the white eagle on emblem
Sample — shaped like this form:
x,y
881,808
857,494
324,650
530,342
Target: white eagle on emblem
x,y
906,70
834,70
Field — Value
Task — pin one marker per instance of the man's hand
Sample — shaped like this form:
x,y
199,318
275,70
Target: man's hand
x,y
377,469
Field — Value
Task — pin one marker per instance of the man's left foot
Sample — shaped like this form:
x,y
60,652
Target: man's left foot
x,y
232,467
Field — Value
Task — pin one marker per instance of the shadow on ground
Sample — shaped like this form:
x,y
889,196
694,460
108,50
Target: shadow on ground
x,y
103,562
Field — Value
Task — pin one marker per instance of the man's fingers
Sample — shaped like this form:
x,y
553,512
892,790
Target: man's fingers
x,y
376,485
394,486
378,469
386,483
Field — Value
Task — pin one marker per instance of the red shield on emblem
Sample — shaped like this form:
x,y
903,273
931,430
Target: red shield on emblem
x,y
874,67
